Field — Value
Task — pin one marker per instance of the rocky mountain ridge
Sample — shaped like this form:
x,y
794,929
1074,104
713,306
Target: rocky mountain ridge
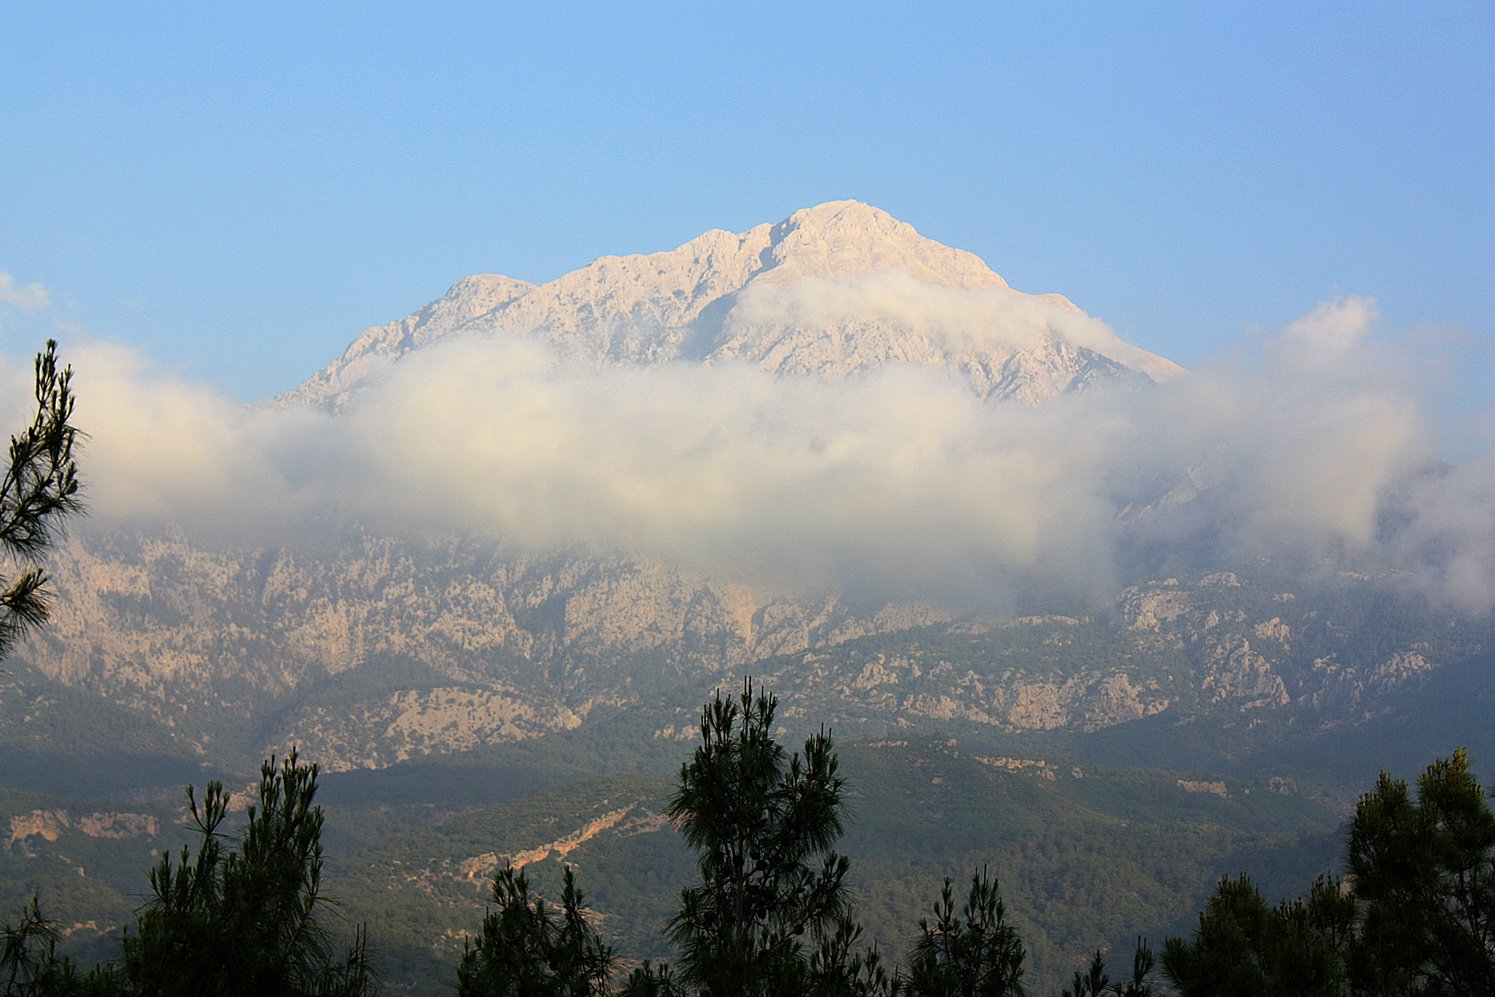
x,y
744,297
378,651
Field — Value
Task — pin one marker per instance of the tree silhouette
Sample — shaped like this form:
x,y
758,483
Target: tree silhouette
x,y
247,920
975,953
771,912
1424,874
38,490
29,963
1096,982
1415,916
1245,946
524,950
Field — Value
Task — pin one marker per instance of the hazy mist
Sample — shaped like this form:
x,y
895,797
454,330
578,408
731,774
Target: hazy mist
x,y
1314,442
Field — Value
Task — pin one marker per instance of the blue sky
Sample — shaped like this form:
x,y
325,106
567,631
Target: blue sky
x,y
239,191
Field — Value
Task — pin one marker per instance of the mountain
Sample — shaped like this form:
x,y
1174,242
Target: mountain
x,y
367,650
893,296
472,699
370,649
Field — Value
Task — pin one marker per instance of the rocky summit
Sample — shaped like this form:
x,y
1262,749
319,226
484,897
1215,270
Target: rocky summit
x,y
830,291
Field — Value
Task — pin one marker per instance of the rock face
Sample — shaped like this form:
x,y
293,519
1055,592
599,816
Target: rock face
x,y
369,651
464,301
372,651
831,291
1191,648
49,825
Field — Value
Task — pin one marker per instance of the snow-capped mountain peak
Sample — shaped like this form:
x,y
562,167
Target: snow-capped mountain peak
x,y
831,291
841,238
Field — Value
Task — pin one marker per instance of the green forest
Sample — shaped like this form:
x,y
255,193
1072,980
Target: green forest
x,y
768,908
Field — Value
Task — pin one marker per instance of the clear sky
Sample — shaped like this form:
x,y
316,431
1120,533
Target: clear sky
x,y
238,190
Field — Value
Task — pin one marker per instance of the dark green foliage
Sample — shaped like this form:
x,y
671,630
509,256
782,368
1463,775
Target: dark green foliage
x,y
525,950
1092,983
1140,985
29,963
1417,916
1096,982
1244,946
1424,873
840,967
1223,956
650,980
1087,861
248,920
770,913
973,954
38,490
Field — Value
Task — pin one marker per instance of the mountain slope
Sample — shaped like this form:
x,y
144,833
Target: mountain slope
x,y
831,291
369,649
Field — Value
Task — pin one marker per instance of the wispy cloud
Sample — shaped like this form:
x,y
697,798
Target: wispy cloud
x,y
900,483
928,317
28,297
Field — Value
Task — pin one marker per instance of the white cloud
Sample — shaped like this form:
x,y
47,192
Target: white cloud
x,y
930,316
1325,336
161,449
28,297
1334,327
898,483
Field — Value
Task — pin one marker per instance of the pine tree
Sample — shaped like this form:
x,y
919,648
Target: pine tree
x,y
1096,982
1424,873
1415,916
248,920
771,912
975,953
29,963
524,950
1092,983
39,489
